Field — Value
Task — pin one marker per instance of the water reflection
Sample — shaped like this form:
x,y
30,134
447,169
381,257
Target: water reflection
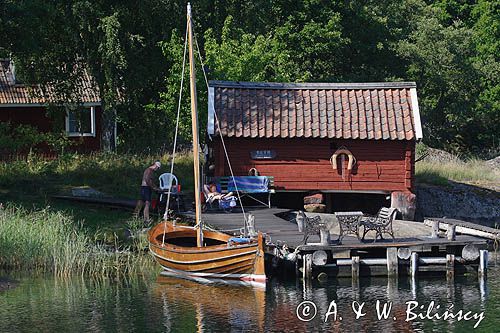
x,y
166,304
216,306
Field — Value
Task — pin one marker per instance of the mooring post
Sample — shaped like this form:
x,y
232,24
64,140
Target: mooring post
x,y
483,263
324,234
414,264
451,232
450,266
413,286
392,288
435,229
300,221
307,267
392,262
355,268
482,288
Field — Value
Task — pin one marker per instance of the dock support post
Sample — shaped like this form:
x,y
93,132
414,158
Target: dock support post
x,y
355,268
413,273
307,267
483,263
451,232
435,229
392,288
392,262
300,222
414,264
324,234
482,288
450,267
413,286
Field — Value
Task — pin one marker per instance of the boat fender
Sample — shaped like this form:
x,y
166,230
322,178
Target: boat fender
x,y
239,240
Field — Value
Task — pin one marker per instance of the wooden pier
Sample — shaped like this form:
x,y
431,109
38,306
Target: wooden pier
x,y
448,254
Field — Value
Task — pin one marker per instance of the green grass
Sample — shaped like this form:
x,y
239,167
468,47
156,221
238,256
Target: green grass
x,y
114,174
49,241
31,181
441,169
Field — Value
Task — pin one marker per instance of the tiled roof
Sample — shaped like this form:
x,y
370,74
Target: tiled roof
x,y
374,111
12,93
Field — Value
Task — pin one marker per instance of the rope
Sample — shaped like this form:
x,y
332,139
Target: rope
x,y
165,216
222,139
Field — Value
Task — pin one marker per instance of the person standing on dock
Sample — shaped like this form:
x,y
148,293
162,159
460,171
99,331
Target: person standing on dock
x,y
147,186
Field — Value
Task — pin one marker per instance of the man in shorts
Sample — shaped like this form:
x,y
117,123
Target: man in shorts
x,y
147,186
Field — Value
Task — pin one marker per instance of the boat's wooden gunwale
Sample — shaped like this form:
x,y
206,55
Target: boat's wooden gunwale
x,y
214,265
205,260
195,250
189,232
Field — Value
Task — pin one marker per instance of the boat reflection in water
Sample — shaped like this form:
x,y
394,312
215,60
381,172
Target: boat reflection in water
x,y
177,305
227,307
220,305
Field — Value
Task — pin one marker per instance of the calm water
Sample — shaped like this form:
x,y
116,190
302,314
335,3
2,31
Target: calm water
x,y
173,305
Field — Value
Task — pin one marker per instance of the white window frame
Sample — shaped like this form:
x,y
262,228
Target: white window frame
x,y
92,125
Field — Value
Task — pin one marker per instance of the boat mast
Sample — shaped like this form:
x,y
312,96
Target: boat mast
x,y
194,124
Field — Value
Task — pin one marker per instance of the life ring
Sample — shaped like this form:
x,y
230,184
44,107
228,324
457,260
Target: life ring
x,y
352,159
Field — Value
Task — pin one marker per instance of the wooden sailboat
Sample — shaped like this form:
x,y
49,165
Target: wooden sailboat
x,y
195,252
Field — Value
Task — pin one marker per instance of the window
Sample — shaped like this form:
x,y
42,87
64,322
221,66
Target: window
x,y
81,122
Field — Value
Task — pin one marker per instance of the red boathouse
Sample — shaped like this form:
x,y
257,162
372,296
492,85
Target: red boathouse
x,y
339,138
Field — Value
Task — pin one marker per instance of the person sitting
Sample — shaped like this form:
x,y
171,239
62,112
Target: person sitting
x,y
211,193
253,172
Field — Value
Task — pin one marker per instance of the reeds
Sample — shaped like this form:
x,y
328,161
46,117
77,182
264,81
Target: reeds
x,y
48,241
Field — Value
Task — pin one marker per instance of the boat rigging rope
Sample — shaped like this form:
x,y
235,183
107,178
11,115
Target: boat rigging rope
x,y
165,216
221,137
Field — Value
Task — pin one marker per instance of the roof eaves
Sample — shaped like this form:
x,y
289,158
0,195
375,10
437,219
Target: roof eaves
x,y
299,86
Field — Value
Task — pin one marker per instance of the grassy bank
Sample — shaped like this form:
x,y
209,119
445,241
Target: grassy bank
x,y
439,167
31,181
117,175
49,241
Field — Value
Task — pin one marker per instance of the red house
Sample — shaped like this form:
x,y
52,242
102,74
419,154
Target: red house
x,y
350,141
26,104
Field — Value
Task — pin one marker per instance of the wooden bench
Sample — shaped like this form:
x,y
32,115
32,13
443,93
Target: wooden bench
x,y
224,182
381,223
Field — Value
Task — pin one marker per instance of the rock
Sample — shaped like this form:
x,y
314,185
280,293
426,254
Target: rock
x,y
315,208
314,199
6,283
406,203
440,156
458,201
85,191
494,163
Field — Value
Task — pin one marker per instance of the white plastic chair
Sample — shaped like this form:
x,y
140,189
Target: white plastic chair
x,y
168,181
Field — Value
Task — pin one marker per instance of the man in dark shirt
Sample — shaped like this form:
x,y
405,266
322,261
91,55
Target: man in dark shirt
x,y
147,186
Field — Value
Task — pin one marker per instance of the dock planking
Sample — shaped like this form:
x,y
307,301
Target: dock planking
x,y
268,222
352,257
